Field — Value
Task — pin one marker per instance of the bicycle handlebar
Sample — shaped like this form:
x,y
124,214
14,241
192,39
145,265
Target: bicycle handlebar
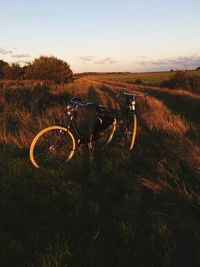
x,y
79,102
130,94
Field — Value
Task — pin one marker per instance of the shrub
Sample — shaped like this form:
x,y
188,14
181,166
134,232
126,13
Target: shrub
x,y
12,72
2,65
49,68
183,80
138,81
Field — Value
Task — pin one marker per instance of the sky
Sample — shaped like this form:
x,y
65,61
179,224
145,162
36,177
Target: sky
x,y
103,35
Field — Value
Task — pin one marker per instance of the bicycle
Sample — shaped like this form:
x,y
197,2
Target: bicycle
x,y
128,121
59,142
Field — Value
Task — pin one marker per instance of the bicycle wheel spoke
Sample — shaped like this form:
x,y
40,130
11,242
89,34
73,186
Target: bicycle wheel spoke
x,y
41,158
46,159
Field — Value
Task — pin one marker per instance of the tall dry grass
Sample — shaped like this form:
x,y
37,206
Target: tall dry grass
x,y
144,202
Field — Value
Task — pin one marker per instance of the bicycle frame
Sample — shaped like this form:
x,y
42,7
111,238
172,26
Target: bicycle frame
x,y
72,123
129,116
130,106
72,108
128,109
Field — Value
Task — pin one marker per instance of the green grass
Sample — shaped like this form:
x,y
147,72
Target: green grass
x,y
150,78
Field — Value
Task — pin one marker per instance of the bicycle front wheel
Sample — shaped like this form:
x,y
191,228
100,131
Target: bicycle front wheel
x,y
130,131
53,145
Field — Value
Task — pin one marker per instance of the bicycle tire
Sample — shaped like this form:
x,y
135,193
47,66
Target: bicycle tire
x,y
105,137
130,131
42,137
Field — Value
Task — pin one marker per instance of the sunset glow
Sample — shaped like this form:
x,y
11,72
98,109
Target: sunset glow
x,y
103,35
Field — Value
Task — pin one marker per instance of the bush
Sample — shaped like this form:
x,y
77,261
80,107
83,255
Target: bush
x,y
12,72
2,65
183,80
49,68
138,81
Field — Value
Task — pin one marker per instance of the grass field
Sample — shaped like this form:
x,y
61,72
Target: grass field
x,y
119,209
150,78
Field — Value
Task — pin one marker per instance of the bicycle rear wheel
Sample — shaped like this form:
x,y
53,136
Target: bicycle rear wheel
x,y
130,131
53,145
102,138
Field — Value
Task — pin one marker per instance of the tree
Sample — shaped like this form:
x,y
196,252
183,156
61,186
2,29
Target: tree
x,y
12,72
2,65
49,68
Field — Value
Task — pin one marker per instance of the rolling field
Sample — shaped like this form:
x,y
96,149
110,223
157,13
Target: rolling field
x,y
117,209
150,78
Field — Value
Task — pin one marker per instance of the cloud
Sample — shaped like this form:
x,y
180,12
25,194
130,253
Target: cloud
x,y
23,62
179,62
100,61
143,57
86,58
22,55
5,51
152,62
106,60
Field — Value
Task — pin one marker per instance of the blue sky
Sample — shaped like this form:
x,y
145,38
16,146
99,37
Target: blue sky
x,y
103,35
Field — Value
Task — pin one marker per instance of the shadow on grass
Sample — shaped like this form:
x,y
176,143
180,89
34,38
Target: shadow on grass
x,y
93,95
94,213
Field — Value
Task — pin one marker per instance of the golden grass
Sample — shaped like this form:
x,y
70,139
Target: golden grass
x,y
159,118
153,191
21,122
155,187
